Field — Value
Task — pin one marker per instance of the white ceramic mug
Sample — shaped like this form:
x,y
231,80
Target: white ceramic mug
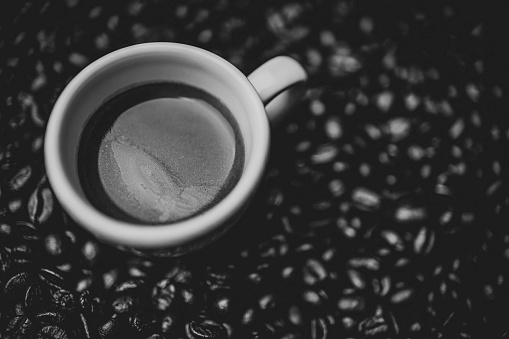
x,y
245,97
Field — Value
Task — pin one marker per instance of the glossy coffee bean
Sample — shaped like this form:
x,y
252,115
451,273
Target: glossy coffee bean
x,y
205,329
52,332
143,321
34,298
18,283
19,327
49,318
124,304
64,301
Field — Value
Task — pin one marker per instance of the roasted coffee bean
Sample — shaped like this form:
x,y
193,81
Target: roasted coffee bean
x,y
130,286
40,205
424,241
64,300
408,213
110,328
124,304
27,231
85,301
52,332
219,279
169,324
366,199
369,263
248,317
180,274
52,278
34,298
19,309
5,262
90,251
373,326
191,298
110,278
53,244
19,327
18,283
205,329
85,328
221,304
164,295
20,178
155,336
352,304
49,318
267,302
319,329
402,296
313,272
143,321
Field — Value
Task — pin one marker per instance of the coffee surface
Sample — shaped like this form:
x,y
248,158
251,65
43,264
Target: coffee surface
x,y
159,153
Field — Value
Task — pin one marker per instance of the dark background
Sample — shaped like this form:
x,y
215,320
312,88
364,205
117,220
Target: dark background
x,y
383,212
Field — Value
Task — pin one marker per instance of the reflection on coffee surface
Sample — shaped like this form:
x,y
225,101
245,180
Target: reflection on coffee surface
x,y
160,152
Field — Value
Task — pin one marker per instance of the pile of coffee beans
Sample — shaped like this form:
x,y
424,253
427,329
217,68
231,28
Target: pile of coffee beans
x,y
383,212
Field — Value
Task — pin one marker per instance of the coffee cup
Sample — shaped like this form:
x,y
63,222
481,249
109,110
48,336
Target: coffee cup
x,y
158,191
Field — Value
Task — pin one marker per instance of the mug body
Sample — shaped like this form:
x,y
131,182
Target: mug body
x,y
127,68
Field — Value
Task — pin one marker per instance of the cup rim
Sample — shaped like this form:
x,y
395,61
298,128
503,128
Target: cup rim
x,y
167,235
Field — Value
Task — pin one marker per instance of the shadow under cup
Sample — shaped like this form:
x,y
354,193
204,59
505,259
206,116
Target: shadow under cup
x,y
131,66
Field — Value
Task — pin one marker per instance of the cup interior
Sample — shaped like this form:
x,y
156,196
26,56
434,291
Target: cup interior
x,y
136,65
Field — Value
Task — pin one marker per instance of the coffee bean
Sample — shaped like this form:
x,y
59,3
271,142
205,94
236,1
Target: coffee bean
x,y
130,286
313,272
221,304
19,327
124,304
110,328
90,251
248,317
381,286
267,302
34,297
19,309
53,244
351,303
169,324
143,321
369,263
52,332
205,329
180,274
424,241
164,295
64,300
217,279
40,205
402,296
319,329
52,278
18,283
49,318
110,278
191,298
410,214
20,178
312,298
366,199
373,326
85,326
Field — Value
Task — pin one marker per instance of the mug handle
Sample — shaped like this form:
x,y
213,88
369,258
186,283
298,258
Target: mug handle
x,y
279,83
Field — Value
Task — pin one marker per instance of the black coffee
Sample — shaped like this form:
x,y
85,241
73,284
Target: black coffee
x,y
159,153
